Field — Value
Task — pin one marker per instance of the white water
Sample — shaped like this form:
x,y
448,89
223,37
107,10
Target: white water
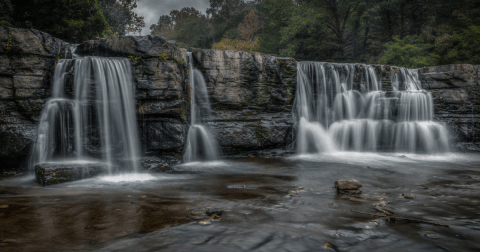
x,y
101,114
201,144
335,116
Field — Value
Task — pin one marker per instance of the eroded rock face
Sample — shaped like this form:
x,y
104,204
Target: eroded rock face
x,y
456,96
137,46
26,71
251,95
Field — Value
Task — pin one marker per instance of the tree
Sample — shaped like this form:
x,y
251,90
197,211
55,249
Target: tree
x,y
188,26
278,14
410,52
247,36
226,15
6,13
70,20
120,16
249,27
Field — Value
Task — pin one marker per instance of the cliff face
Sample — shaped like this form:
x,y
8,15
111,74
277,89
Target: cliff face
x,y
251,94
27,62
456,93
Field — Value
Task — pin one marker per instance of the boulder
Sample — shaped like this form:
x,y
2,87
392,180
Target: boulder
x,y
351,184
55,173
30,42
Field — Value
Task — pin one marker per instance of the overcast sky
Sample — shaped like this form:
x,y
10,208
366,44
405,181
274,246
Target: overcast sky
x,y
153,9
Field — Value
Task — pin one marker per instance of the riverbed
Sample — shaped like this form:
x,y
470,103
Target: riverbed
x,y
269,204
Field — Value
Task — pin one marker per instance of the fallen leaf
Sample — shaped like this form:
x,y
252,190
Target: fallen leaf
x,y
144,196
118,209
4,206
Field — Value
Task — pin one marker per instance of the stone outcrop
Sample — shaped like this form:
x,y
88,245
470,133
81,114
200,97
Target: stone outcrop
x,y
251,96
456,93
125,46
56,173
27,62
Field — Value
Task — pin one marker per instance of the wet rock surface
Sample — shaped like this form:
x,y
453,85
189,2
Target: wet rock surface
x,y
350,184
456,96
251,96
56,173
26,71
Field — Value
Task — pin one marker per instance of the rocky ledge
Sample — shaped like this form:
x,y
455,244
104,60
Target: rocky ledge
x,y
55,173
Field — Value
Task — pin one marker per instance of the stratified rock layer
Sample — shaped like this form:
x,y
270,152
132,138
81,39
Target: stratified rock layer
x,y
456,96
251,96
26,70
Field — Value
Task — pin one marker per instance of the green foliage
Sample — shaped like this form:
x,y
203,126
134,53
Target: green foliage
x,y
6,13
461,47
188,27
430,32
410,52
70,20
164,56
120,16
193,31
279,13
8,47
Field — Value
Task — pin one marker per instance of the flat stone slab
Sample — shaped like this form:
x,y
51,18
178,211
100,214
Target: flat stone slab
x,y
351,184
124,46
56,173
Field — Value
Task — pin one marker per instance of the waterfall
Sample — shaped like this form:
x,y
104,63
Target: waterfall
x,y
311,134
354,113
201,145
98,123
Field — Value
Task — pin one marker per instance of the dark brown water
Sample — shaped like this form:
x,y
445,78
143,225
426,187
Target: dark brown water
x,y
165,211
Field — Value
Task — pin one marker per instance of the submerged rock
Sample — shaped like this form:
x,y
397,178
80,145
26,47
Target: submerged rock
x,y
55,173
344,184
216,211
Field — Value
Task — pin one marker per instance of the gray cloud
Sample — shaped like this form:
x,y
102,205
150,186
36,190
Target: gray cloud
x,y
153,9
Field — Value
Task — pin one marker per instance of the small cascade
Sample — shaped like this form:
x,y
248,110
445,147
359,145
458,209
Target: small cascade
x,y
201,145
351,111
98,123
311,109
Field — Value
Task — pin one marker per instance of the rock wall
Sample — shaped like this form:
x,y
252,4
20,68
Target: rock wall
x,y
251,94
162,103
27,61
456,93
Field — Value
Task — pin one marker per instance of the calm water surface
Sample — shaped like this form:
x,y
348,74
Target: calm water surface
x,y
164,211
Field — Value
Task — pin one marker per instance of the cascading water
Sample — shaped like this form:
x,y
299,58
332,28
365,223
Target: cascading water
x,y
201,145
335,115
98,123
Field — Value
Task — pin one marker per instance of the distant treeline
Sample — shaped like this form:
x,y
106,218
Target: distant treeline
x,y
410,33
